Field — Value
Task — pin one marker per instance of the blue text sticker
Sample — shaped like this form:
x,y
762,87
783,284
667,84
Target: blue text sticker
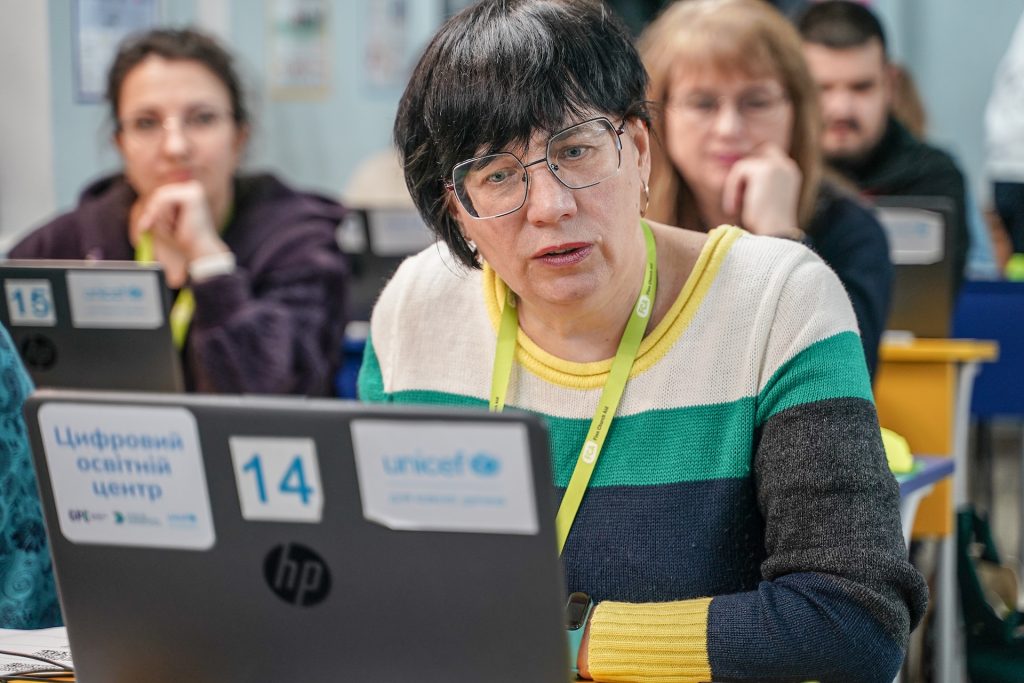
x,y
127,475
30,303
278,479
110,300
455,476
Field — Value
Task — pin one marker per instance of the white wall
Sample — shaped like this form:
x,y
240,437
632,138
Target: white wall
x,y
317,143
26,149
952,48
52,145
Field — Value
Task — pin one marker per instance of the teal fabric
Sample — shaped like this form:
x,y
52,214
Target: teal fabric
x,y
28,597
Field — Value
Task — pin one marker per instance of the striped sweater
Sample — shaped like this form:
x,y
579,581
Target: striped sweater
x,y
741,523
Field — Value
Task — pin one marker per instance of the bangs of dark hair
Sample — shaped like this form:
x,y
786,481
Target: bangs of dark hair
x,y
515,68
502,70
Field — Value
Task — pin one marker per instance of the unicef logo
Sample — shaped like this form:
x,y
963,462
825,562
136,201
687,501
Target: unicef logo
x,y
485,465
104,294
441,466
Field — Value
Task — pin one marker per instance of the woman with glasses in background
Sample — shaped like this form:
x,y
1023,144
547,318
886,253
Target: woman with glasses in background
x,y
725,502
259,276
736,141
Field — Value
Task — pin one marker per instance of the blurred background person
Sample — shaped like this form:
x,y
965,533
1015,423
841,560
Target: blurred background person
x,y
28,596
845,47
1004,129
908,108
260,278
737,141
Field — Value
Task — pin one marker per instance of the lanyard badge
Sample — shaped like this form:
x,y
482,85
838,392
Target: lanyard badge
x,y
611,395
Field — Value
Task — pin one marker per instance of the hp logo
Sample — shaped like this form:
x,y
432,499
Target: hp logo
x,y
38,352
297,575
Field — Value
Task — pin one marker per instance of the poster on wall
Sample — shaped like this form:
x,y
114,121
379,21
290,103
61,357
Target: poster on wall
x,y
298,49
386,59
98,27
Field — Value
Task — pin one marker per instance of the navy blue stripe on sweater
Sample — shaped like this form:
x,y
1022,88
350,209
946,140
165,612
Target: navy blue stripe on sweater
x,y
666,542
803,625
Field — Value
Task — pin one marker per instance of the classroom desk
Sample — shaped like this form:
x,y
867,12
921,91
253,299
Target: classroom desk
x,y
918,483
923,391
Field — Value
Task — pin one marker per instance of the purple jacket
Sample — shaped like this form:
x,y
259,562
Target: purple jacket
x,y
274,326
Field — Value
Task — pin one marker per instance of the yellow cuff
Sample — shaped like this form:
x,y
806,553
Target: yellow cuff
x,y
660,641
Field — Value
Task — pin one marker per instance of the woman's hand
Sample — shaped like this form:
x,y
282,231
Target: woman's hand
x,y
179,219
763,191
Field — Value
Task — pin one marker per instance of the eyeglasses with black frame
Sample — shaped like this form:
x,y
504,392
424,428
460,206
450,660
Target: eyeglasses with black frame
x,y
579,156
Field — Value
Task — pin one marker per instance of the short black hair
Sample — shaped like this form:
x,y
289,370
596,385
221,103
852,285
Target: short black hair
x,y
499,71
184,44
840,24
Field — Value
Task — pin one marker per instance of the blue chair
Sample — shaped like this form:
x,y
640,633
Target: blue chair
x,y
995,310
346,378
991,310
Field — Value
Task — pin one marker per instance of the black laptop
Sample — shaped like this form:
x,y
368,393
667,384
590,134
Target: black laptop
x,y
217,538
921,249
91,324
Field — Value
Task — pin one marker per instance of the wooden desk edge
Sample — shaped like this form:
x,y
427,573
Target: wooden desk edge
x,y
939,350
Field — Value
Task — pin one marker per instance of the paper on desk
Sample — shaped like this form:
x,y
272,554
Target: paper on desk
x,y
51,643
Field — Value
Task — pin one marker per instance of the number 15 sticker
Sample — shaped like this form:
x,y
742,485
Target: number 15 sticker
x,y
278,479
30,302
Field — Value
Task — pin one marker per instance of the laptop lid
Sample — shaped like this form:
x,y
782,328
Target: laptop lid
x,y
921,249
91,324
253,538
376,241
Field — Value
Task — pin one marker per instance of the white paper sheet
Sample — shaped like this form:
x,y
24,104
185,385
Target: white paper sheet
x,y
51,643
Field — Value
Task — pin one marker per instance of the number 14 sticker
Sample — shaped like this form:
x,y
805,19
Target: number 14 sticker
x,y
278,479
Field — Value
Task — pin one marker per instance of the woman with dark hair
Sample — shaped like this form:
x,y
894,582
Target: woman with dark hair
x,y
259,273
737,141
740,522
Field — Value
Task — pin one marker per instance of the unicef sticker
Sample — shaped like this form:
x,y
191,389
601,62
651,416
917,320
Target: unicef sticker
x,y
104,300
454,476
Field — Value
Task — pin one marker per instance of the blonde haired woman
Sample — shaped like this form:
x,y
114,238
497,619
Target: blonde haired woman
x,y
737,131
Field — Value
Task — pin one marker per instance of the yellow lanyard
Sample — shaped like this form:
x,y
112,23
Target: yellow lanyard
x,y
184,305
610,396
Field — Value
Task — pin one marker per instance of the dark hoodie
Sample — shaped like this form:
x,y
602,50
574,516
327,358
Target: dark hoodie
x,y
902,165
274,326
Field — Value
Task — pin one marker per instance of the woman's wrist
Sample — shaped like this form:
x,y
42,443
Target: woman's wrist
x,y
211,265
202,246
